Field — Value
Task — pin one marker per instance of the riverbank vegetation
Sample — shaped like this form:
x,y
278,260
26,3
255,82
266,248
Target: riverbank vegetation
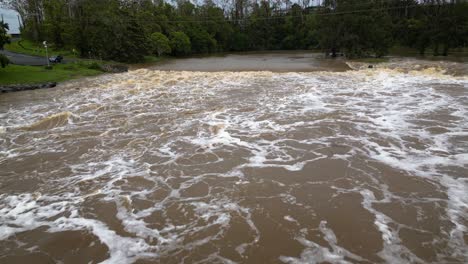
x,y
18,74
129,30
4,39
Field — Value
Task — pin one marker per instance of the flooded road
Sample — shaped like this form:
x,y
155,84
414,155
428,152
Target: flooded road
x,y
151,166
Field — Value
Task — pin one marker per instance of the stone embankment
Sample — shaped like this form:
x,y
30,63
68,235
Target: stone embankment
x,y
25,87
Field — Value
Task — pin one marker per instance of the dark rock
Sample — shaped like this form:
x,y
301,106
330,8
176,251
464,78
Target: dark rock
x,y
370,66
26,87
6,89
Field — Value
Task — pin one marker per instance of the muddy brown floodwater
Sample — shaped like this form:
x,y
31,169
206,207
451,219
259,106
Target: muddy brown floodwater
x,y
345,165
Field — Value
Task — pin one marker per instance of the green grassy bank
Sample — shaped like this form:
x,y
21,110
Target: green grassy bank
x,y
16,74
75,68
19,74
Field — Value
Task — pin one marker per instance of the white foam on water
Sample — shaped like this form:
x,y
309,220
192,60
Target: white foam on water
x,y
290,219
163,133
315,253
27,212
393,251
397,123
121,249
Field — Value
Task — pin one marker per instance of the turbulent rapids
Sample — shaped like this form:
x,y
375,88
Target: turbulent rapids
x,y
149,166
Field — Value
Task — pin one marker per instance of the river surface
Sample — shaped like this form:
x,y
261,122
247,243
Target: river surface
x,y
247,61
343,164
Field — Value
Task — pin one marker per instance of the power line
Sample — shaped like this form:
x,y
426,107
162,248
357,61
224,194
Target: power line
x,y
286,16
277,17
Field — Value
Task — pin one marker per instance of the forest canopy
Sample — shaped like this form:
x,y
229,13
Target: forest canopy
x,y
128,30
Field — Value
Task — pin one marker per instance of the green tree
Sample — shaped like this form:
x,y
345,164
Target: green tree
x,y
356,34
180,43
4,61
447,24
202,42
159,43
215,23
122,29
419,36
32,12
4,39
238,41
55,24
261,30
109,30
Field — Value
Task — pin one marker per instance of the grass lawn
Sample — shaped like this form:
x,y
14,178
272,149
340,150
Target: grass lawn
x,y
36,49
15,74
18,74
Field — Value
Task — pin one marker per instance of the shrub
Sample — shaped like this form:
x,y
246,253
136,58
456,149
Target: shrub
x,y
159,43
4,61
94,66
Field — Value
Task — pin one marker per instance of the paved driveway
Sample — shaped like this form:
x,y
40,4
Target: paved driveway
x,y
22,59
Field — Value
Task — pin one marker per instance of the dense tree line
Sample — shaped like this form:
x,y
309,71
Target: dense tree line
x,y
127,30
